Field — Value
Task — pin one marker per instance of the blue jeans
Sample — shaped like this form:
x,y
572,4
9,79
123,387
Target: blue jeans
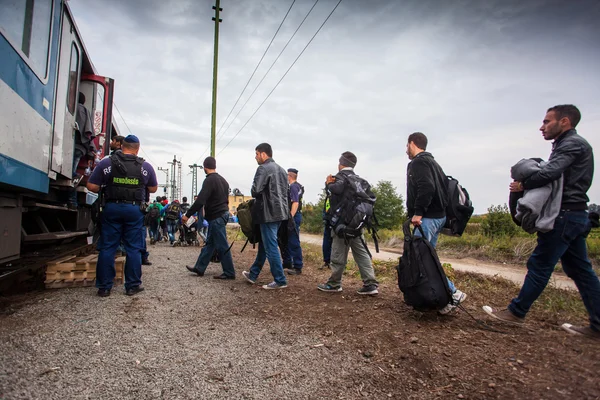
x,y
292,253
216,240
432,228
171,229
120,222
327,242
154,229
267,249
567,243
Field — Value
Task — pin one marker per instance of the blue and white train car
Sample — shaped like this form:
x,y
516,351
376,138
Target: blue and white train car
x,y
43,67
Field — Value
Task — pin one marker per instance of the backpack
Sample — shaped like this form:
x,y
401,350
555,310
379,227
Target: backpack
x,y
459,208
154,212
421,277
244,214
355,211
173,211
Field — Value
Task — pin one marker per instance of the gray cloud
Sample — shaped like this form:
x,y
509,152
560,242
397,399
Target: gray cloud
x,y
475,76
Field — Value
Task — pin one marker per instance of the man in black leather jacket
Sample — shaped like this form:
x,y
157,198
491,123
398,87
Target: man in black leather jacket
x,y
270,189
572,157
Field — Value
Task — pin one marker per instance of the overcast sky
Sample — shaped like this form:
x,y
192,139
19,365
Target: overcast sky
x,y
475,76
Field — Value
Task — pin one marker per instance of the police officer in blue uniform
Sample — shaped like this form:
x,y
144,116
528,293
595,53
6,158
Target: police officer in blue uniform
x,y
125,180
292,253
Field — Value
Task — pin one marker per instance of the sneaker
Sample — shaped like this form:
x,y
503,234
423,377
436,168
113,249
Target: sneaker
x,y
326,287
457,298
274,285
246,275
581,330
293,271
134,290
504,315
368,289
103,292
325,265
152,241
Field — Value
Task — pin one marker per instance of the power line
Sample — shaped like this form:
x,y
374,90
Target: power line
x,y
269,70
131,133
284,75
253,72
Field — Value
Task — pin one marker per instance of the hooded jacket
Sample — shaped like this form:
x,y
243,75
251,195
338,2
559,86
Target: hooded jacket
x,y
427,191
539,207
270,188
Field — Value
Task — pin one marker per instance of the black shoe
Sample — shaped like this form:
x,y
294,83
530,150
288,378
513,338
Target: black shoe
x,y
145,261
293,271
103,292
287,266
194,270
368,290
134,290
325,265
223,276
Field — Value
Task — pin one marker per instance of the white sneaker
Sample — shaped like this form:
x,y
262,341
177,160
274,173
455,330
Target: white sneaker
x,y
457,298
246,275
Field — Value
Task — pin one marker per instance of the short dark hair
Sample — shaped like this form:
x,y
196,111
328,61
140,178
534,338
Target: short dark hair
x,y
130,146
348,159
419,139
569,111
265,148
81,98
118,138
184,199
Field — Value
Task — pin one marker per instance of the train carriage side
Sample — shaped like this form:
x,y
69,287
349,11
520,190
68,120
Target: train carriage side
x,y
44,68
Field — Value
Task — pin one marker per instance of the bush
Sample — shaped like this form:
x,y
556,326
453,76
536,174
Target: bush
x,y
498,222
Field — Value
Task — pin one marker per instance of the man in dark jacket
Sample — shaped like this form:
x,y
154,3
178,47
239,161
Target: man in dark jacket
x,y
214,198
426,199
573,158
336,185
270,189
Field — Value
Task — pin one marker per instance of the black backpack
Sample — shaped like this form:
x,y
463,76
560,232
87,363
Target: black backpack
x,y
173,211
421,277
355,211
459,209
154,212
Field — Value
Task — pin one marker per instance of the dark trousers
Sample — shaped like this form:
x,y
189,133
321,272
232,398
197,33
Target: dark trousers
x,y
216,240
327,242
120,222
291,253
145,253
566,242
154,225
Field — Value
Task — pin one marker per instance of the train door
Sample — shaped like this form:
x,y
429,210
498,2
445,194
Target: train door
x,y
98,91
67,87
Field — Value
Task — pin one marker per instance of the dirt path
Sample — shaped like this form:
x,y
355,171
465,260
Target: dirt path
x,y
513,273
189,337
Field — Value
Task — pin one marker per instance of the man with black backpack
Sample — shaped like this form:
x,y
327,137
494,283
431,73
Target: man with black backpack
x,y
173,217
427,198
349,195
153,215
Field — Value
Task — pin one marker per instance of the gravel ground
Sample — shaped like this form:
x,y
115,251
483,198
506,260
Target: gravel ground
x,y
189,337
182,338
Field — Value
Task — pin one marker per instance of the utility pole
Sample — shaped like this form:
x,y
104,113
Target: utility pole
x,y
194,168
166,184
173,165
179,181
214,88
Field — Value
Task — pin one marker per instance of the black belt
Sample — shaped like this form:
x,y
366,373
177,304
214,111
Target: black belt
x,y
135,203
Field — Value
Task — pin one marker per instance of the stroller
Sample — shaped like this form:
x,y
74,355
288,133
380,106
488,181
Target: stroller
x,y
188,236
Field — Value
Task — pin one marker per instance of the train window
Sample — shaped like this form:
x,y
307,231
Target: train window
x,y
26,24
73,79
